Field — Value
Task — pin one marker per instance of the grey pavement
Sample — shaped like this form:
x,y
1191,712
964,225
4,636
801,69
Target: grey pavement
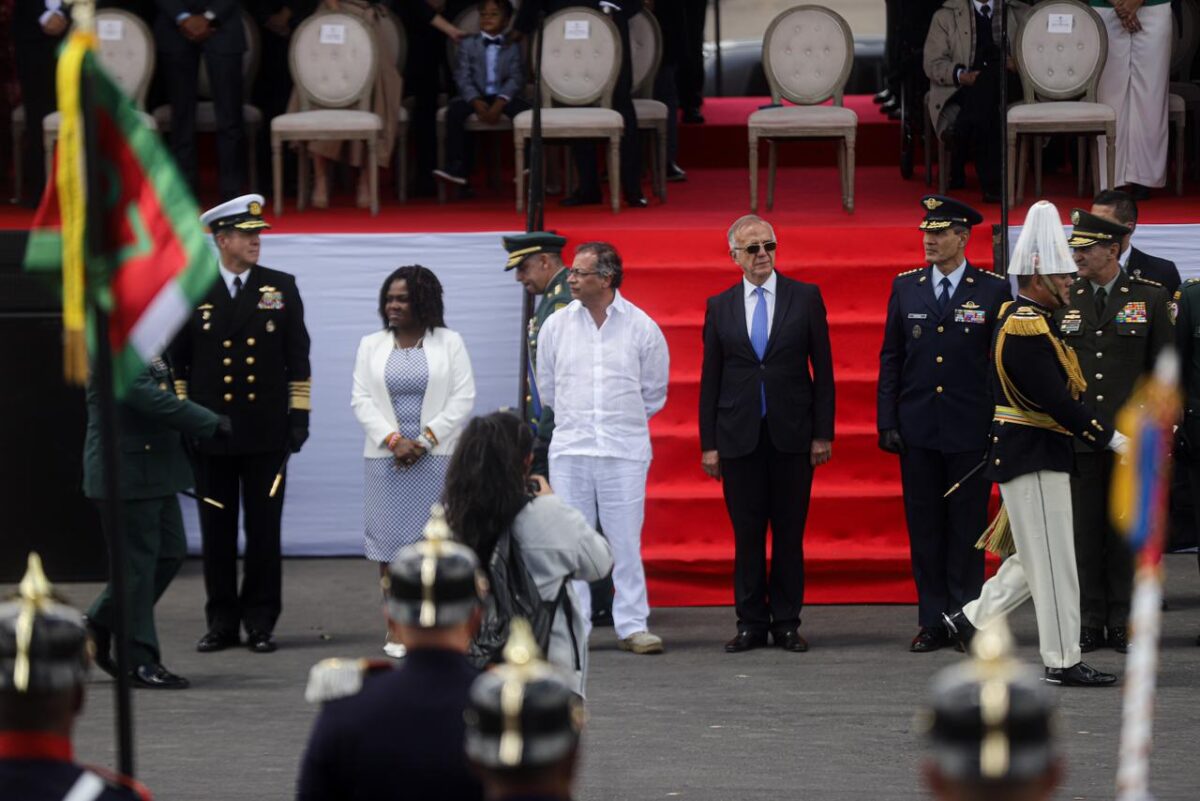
x,y
695,723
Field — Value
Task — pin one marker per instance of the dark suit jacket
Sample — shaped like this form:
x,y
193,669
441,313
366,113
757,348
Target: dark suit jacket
x,y
1143,265
227,38
470,74
239,356
933,368
150,420
797,370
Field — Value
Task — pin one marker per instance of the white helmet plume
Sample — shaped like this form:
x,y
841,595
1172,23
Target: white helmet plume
x,y
1042,246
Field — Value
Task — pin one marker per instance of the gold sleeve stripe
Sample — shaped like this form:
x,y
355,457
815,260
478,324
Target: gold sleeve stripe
x,y
300,395
181,388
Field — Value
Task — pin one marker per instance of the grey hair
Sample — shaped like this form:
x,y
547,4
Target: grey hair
x,y
608,260
742,222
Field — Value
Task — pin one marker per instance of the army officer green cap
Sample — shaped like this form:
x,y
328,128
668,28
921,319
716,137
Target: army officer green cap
x,y
519,246
1091,229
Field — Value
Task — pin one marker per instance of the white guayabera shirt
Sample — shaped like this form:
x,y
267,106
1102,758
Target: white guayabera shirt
x,y
604,383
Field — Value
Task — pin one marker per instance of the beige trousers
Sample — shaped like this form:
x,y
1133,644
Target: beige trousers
x,y
1039,508
1135,82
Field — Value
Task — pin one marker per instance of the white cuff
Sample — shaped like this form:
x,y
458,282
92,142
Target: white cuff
x,y
1119,443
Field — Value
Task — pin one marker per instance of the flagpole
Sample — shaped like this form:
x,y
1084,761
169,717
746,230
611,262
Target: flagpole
x,y
103,377
535,216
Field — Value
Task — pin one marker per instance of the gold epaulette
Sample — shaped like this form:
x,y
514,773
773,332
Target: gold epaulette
x,y
1025,322
910,272
1137,279
300,395
181,388
991,274
331,679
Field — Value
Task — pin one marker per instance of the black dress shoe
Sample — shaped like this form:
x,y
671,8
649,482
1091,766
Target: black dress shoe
x,y
581,199
260,642
216,641
1079,675
692,116
790,640
890,105
960,629
675,173
1118,639
637,201
882,96
156,677
930,638
1090,638
744,641
102,639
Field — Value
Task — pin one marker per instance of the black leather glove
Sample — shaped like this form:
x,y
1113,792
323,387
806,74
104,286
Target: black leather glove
x,y
224,427
297,429
890,441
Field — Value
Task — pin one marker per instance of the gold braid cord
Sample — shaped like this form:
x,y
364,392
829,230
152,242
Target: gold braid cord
x,y
1027,325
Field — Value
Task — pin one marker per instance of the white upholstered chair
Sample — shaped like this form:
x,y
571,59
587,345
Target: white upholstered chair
x,y
645,43
126,51
206,110
581,56
808,51
333,58
1059,73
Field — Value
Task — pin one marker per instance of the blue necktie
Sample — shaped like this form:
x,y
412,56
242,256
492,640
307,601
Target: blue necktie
x,y
758,337
944,298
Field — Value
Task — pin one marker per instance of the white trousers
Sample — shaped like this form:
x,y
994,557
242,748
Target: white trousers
x,y
613,491
1135,82
1039,508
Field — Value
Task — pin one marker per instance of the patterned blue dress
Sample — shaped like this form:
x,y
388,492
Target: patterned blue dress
x,y
397,497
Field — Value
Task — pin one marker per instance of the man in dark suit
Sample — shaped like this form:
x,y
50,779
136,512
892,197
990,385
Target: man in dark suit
x,y
185,30
1187,340
153,468
37,31
384,722
1117,324
244,353
1121,207
934,410
766,420
622,102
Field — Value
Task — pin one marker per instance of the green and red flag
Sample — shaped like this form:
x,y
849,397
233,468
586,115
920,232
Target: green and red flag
x,y
149,263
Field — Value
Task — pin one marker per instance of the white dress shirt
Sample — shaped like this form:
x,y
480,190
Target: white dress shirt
x,y
604,383
490,54
228,275
752,303
935,275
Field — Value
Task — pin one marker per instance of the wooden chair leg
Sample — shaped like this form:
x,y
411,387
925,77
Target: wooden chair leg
x,y
373,175
850,174
753,174
772,163
277,174
614,172
519,165
302,163
1022,167
1110,139
841,160
1038,142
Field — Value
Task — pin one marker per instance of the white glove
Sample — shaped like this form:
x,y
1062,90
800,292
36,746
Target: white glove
x,y
1119,444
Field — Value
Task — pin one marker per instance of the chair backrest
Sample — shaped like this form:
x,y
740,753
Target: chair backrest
x,y
645,52
393,40
581,56
807,54
126,52
467,22
333,59
1185,40
250,59
1061,47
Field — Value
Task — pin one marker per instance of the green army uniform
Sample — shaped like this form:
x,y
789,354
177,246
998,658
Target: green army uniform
x,y
556,296
153,468
1186,307
1117,340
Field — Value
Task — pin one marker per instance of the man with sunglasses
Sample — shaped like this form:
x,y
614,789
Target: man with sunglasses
x,y
934,410
766,421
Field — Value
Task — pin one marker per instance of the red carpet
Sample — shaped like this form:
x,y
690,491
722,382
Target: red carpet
x,y
856,545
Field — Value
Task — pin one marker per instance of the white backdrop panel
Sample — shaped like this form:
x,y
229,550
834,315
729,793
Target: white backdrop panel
x,y
1175,242
339,276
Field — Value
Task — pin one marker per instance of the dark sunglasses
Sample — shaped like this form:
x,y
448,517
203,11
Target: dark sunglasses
x,y
753,249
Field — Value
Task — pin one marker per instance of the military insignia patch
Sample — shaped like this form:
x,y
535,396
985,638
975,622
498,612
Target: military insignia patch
x,y
916,332
1071,325
270,299
1173,309
970,304
1075,217
255,208
977,316
931,203
270,326
917,315
1132,312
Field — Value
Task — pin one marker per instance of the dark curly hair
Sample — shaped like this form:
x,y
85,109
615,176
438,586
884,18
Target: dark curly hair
x,y
424,293
485,480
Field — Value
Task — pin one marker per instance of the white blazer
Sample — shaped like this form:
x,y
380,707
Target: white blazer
x,y
449,395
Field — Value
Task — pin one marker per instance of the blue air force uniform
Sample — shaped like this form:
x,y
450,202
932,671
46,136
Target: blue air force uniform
x,y
934,408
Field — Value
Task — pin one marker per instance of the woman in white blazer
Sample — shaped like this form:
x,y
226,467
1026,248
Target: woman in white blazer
x,y
413,391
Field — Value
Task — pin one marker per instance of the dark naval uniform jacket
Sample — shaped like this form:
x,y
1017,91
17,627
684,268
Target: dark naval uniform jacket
x,y
933,368
247,357
1142,265
1036,386
1187,341
38,767
151,420
1121,345
400,735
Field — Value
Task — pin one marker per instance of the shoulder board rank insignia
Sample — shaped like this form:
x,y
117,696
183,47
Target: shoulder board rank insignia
x,y
331,679
931,203
1191,281
910,272
1139,279
991,274
1026,322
